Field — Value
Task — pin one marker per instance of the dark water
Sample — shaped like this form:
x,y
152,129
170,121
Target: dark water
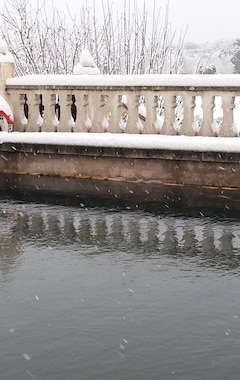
x,y
108,293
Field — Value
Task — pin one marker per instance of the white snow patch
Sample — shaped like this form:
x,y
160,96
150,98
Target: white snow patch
x,y
105,122
5,55
125,140
140,126
71,122
86,65
197,123
142,110
88,123
86,58
26,356
24,120
39,120
3,46
167,80
124,99
80,70
123,122
159,123
55,121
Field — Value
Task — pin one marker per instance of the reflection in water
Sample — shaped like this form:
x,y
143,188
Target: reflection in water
x,y
210,242
117,294
10,245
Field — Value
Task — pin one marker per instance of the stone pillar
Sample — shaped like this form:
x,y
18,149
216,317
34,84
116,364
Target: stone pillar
x,y
7,67
7,70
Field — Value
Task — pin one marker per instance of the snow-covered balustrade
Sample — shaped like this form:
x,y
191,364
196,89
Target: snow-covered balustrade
x,y
205,105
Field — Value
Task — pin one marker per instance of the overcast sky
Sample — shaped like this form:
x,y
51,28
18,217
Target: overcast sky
x,y
205,20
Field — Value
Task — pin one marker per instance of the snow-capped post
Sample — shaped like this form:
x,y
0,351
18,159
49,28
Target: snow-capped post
x,y
87,66
7,70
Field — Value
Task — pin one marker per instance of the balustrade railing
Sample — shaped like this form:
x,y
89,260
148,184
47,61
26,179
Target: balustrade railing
x,y
205,105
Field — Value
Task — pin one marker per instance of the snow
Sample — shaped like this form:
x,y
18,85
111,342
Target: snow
x,y
3,46
159,123
5,55
81,70
86,65
124,140
162,80
86,58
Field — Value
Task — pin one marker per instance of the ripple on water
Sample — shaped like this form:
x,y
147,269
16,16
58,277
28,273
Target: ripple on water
x,y
117,294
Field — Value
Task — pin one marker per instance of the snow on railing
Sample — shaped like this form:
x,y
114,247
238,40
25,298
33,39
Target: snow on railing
x,y
205,105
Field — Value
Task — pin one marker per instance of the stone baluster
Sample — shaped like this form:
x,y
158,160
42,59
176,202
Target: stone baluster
x,y
91,111
133,118
227,129
65,101
79,103
85,116
188,117
151,101
127,109
169,110
50,122
118,110
104,112
207,105
34,119
18,101
96,106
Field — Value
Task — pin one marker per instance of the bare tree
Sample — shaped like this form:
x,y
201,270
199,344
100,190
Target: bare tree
x,y
42,41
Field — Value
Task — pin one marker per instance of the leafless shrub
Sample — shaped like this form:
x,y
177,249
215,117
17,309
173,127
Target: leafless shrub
x,y
42,41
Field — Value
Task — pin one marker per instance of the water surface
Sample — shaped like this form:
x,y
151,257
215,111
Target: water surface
x,y
110,293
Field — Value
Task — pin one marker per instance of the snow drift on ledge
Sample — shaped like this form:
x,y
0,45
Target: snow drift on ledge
x,y
147,80
143,141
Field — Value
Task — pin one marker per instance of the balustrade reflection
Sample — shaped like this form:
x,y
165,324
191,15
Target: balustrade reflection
x,y
140,235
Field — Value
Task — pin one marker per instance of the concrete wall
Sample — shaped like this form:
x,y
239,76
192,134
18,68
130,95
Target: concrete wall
x,y
132,174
